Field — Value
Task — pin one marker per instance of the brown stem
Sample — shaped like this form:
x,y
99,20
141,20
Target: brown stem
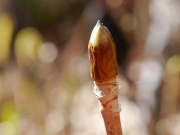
x,y
112,122
103,68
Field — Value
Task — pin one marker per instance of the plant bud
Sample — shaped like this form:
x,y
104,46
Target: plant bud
x,y
102,54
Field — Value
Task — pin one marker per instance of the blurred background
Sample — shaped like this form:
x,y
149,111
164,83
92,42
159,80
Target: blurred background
x,y
45,84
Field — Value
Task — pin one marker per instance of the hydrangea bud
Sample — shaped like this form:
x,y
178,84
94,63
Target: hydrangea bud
x,y
102,54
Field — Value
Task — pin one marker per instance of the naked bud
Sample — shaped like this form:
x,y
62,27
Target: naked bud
x,y
102,54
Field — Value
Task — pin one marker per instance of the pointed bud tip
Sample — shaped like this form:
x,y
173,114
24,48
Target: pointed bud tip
x,y
99,23
99,34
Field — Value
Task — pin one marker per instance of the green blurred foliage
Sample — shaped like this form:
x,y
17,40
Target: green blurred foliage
x,y
27,43
173,64
10,118
6,32
9,112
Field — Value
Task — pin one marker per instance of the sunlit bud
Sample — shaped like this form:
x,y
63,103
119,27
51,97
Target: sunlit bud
x,y
102,54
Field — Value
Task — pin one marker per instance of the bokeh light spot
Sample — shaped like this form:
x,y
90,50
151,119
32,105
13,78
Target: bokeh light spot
x,y
128,22
113,3
27,43
48,52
